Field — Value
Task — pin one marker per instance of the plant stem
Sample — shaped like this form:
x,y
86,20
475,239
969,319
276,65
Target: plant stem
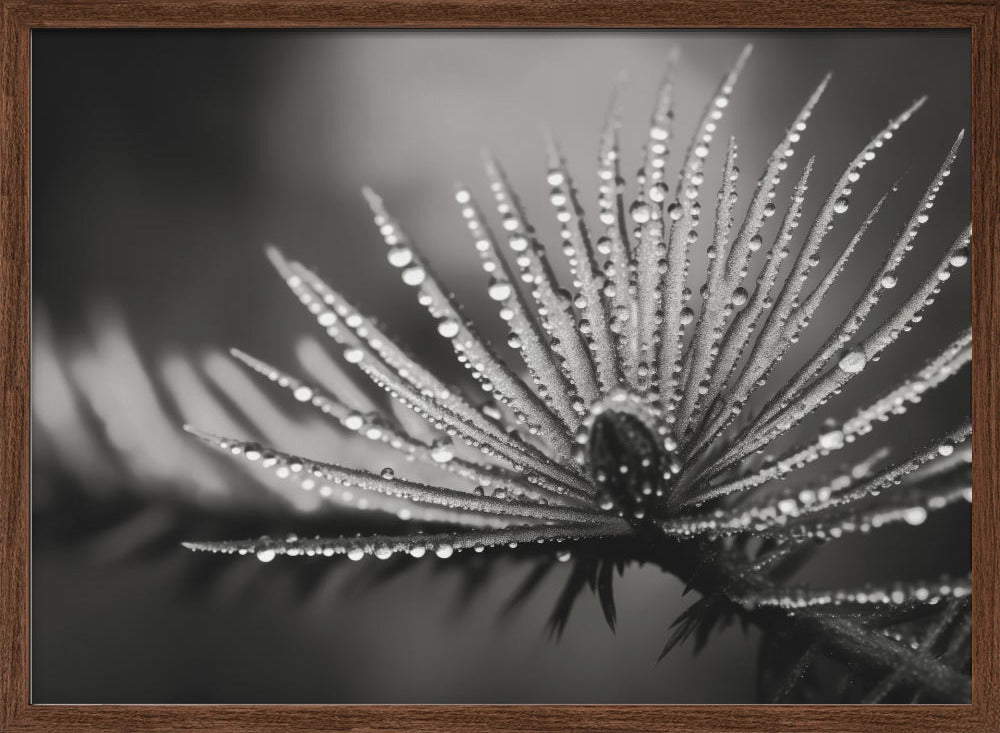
x,y
839,637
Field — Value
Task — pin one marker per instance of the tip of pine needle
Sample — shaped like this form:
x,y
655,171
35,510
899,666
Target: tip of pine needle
x,y
215,547
373,200
192,430
953,152
612,118
489,161
278,260
552,150
909,111
241,356
824,83
744,55
201,434
462,193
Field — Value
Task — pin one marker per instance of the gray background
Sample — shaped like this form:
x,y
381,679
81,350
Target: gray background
x,y
163,161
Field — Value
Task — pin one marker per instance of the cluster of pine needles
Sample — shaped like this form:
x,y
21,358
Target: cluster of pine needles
x,y
643,424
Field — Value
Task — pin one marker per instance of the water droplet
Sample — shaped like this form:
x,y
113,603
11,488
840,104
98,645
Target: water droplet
x,y
946,448
400,256
740,296
889,281
840,205
387,473
264,549
675,211
353,356
448,328
303,393
354,421
658,192
853,362
640,212
915,516
499,290
555,178
355,553
787,506
441,451
832,440
414,275
444,551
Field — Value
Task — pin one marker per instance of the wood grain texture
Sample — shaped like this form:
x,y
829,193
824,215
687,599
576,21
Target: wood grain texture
x,y
18,18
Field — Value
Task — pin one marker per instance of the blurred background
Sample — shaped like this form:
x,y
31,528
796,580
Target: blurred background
x,y
163,162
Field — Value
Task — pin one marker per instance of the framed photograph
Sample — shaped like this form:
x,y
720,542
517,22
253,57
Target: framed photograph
x,y
499,366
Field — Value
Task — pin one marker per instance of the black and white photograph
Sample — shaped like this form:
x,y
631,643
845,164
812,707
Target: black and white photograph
x,y
501,367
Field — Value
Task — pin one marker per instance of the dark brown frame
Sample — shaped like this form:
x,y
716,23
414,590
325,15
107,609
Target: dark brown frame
x,y
19,17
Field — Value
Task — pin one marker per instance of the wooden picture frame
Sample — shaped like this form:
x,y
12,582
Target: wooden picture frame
x,y
19,17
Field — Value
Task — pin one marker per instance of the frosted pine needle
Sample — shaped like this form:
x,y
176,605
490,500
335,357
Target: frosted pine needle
x,y
642,398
